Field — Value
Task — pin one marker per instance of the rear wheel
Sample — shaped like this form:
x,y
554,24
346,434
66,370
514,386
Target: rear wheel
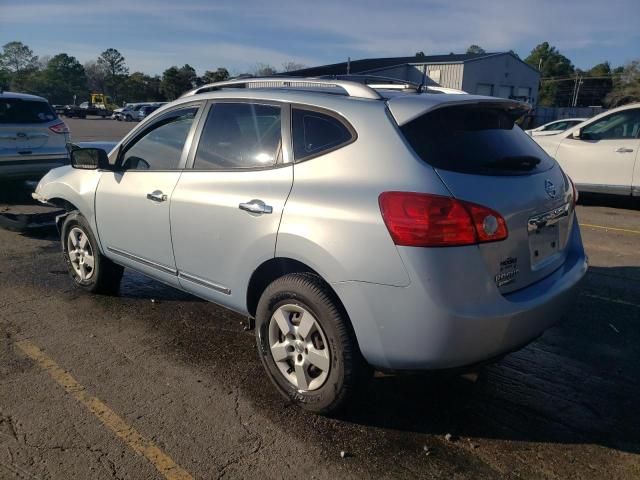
x,y
88,268
306,344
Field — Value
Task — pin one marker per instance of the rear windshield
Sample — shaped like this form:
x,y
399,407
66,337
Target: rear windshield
x,y
478,139
15,110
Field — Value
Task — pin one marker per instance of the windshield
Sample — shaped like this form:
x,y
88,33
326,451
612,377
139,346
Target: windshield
x,y
483,140
16,110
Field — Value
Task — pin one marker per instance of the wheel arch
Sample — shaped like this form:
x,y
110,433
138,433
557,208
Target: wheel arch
x,y
277,267
269,271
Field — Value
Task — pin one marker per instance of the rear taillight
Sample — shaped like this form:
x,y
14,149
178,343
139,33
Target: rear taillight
x,y
424,220
575,191
59,128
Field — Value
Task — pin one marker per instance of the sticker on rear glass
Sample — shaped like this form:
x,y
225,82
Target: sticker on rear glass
x,y
508,272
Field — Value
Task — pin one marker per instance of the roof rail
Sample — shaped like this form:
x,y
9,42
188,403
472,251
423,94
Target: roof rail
x,y
375,81
352,89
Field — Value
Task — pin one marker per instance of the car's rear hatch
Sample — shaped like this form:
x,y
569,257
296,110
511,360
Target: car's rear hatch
x,y
483,157
25,132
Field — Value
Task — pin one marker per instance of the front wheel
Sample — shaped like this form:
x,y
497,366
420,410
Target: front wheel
x,y
307,345
89,269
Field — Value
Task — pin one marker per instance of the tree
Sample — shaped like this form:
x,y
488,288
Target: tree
x,y
476,49
420,54
63,78
596,84
292,66
115,67
263,70
626,88
551,63
5,79
18,64
219,75
18,58
141,87
176,81
113,62
96,77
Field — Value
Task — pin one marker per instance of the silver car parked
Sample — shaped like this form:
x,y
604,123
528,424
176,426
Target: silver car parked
x,y
363,226
32,137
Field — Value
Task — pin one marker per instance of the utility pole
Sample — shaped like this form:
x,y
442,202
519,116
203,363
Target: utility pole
x,y
580,82
576,90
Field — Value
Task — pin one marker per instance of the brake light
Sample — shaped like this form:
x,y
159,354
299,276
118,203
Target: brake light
x,y
424,220
59,128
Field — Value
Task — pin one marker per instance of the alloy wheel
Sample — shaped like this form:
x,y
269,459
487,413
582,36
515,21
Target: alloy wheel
x,y
80,253
299,347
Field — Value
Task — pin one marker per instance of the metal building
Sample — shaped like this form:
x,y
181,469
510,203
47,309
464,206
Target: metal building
x,y
499,74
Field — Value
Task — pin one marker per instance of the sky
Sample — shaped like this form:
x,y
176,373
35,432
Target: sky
x,y
156,34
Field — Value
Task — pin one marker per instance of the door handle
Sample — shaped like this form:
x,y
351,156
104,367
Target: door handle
x,y
157,196
256,206
624,150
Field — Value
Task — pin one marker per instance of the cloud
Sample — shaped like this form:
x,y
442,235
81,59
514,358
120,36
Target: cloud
x,y
153,34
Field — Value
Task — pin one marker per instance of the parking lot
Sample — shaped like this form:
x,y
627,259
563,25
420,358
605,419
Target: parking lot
x,y
155,383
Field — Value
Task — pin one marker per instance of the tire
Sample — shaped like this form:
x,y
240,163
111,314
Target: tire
x,y
325,367
103,276
128,118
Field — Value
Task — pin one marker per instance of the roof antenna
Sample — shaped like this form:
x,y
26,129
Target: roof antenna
x,y
423,83
348,65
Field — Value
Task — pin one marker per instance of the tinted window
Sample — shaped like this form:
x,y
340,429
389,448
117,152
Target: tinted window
x,y
160,147
475,139
315,133
556,126
625,124
239,135
14,110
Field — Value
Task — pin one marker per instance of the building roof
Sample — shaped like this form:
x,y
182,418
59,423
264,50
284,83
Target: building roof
x,y
370,64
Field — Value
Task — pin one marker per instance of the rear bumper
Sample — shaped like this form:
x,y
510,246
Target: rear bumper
x,y
32,167
452,314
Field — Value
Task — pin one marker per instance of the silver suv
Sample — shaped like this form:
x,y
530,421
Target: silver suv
x,y
32,137
362,226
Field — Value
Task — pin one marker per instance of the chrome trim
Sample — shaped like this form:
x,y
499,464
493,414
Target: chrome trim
x,y
144,261
548,218
205,283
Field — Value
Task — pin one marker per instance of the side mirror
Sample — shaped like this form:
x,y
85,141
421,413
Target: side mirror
x,y
577,134
90,159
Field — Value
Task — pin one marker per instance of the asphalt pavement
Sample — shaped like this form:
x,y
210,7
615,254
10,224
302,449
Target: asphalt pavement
x,y
155,383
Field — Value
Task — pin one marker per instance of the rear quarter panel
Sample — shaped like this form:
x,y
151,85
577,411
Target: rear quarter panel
x,y
332,220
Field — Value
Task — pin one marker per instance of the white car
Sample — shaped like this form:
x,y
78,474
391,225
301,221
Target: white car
x,y
601,154
555,127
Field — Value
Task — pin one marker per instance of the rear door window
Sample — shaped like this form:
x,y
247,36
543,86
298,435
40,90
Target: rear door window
x,y
315,133
15,110
239,135
478,139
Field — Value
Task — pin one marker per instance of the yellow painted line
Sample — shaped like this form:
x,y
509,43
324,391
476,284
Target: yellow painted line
x,y
141,445
626,230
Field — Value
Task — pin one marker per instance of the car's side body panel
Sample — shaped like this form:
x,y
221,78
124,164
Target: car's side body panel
x,y
217,245
607,165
